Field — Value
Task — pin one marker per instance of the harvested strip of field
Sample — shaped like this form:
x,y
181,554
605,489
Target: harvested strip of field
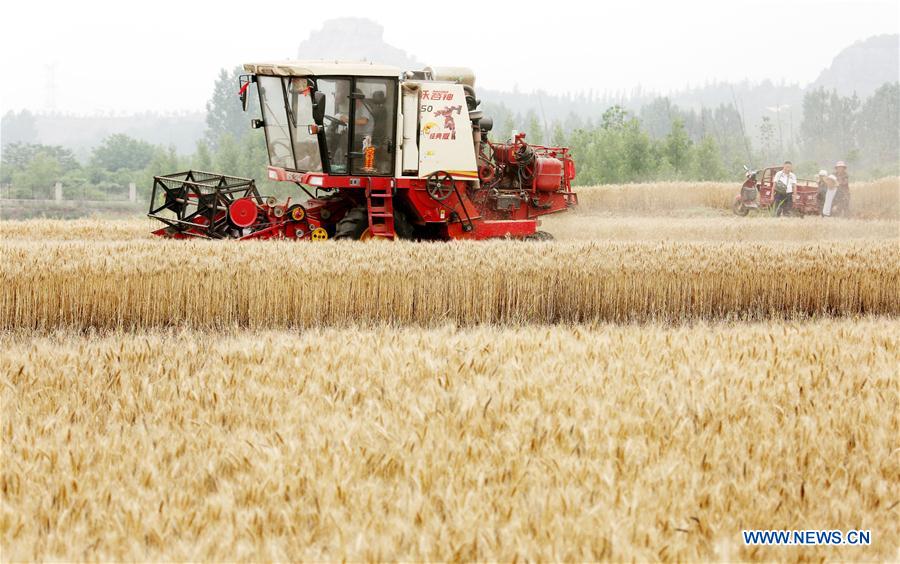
x,y
79,229
645,228
878,199
565,443
282,284
564,226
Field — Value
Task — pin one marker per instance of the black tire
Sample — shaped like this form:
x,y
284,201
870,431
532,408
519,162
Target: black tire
x,y
540,236
739,208
352,225
356,221
402,226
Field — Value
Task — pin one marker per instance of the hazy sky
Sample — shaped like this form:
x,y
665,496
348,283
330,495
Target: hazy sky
x,y
163,55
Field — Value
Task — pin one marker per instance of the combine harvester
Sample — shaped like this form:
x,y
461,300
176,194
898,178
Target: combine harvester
x,y
377,154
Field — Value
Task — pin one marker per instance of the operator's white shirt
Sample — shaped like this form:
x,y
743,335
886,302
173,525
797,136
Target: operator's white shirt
x,y
790,180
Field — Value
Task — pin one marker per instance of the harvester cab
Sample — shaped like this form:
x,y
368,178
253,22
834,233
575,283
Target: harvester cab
x,y
375,152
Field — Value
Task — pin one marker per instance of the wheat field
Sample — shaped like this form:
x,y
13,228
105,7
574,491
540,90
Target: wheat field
x,y
877,199
616,204
581,225
214,285
575,443
660,378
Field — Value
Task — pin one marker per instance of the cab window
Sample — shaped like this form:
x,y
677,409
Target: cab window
x,y
336,121
374,102
306,143
275,122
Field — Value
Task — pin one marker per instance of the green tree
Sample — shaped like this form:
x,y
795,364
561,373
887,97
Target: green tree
x,y
17,156
224,114
657,117
533,130
678,147
253,162
581,142
609,148
502,118
558,136
119,151
877,130
36,180
165,160
725,124
227,159
637,152
202,159
828,130
707,161
614,118
504,132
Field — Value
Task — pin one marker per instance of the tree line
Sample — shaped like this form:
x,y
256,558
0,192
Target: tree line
x,y
664,142
661,141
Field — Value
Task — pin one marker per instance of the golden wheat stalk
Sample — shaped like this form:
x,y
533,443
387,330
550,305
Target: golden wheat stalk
x,y
879,199
581,226
565,226
270,284
626,443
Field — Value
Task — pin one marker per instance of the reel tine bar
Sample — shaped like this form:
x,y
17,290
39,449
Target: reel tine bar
x,y
196,203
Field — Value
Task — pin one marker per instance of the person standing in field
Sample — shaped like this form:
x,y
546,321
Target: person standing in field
x,y
823,188
842,200
785,182
831,184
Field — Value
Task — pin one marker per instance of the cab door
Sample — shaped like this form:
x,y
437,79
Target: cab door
x,y
287,110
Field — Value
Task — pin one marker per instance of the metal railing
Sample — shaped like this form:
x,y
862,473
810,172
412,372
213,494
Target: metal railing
x,y
84,193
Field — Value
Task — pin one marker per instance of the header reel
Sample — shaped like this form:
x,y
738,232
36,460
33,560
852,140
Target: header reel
x,y
215,206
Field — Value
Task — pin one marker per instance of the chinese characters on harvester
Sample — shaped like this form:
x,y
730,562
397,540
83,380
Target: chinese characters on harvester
x,y
446,112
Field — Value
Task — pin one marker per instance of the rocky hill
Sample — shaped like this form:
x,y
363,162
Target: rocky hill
x,y
863,67
354,39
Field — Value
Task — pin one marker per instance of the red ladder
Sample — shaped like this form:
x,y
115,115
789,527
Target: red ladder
x,y
380,203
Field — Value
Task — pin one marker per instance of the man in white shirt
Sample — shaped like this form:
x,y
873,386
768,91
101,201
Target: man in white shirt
x,y
831,184
785,182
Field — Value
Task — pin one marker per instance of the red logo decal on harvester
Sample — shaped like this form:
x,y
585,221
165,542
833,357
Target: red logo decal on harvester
x,y
449,123
437,95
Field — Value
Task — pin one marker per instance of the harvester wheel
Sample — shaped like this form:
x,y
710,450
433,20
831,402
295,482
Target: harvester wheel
x,y
356,221
540,236
352,225
402,226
